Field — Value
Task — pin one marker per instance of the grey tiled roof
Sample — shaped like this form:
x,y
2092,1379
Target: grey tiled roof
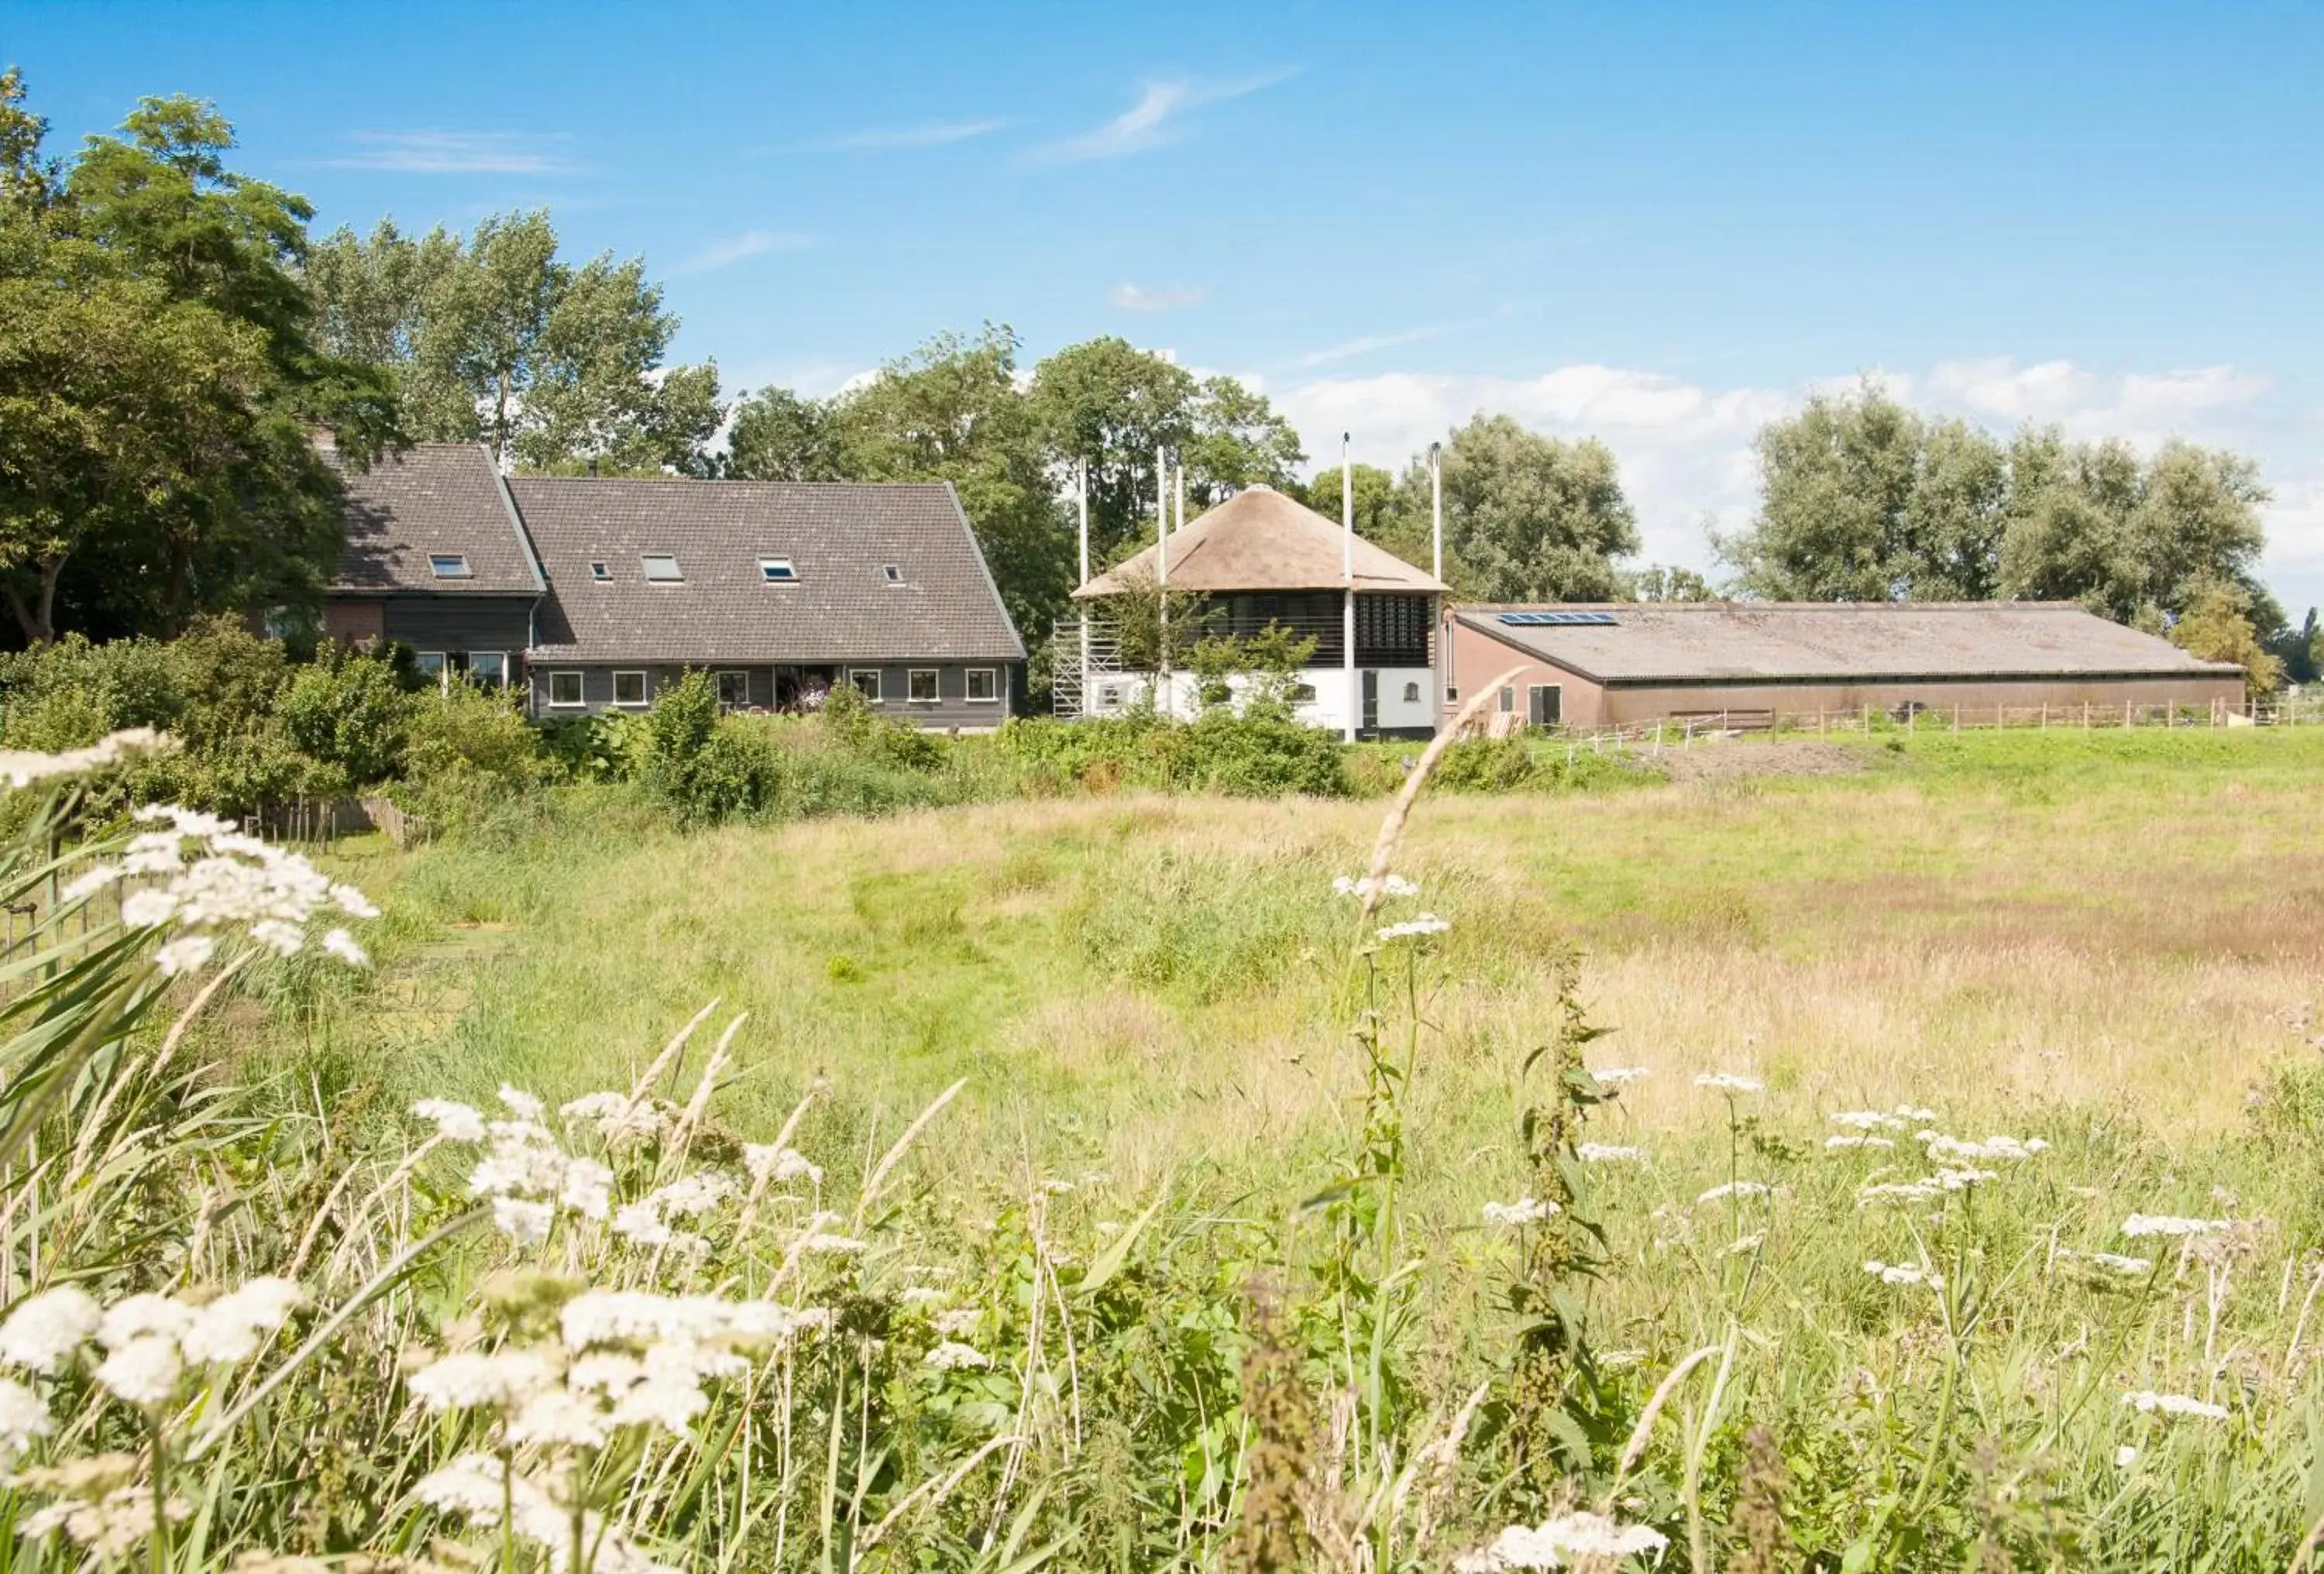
x,y
837,536
1653,641
436,498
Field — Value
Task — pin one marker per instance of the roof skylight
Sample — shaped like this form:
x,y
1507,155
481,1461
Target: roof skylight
x,y
661,567
449,566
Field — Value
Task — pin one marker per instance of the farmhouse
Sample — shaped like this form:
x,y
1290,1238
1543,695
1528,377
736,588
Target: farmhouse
x,y
1750,662
596,594
1261,559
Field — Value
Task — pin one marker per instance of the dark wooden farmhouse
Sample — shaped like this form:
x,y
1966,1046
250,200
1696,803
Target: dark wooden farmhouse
x,y
596,593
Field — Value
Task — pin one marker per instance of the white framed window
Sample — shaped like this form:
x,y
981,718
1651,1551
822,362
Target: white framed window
x,y
734,689
601,572
1109,697
1411,694
778,570
489,667
891,573
660,567
1452,695
565,690
1545,704
983,685
866,680
449,566
1509,699
431,664
920,685
630,689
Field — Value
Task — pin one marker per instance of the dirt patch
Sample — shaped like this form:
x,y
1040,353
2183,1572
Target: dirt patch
x,y
1761,757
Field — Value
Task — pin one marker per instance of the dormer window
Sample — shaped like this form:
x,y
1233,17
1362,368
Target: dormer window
x,y
891,573
778,570
449,566
661,567
600,573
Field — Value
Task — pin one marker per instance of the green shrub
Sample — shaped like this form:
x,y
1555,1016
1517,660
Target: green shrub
x,y
1257,756
1484,765
350,710
468,750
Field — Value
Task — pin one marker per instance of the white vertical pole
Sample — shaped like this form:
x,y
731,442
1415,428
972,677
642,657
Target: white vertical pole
x,y
1162,574
1439,658
1348,577
1084,489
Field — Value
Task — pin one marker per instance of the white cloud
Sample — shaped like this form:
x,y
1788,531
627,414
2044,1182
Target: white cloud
x,y
1164,298
455,152
733,249
1152,120
885,139
1348,349
1686,450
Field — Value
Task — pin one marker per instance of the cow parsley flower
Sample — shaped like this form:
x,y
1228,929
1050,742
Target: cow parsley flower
x,y
524,1106
234,1325
1836,1143
46,1329
1419,928
1524,1211
954,1356
1961,1180
1909,1113
342,944
767,1163
1617,1076
558,1417
476,1380
1993,1149
187,953
1734,1189
1727,1082
922,1296
825,1243
2146,1401
110,1526
526,1224
1607,1153
956,1323
147,1315
587,1189
454,1121
1905,1274
23,1417
1387,885
144,1370
1594,1535
1866,1120
2163,1224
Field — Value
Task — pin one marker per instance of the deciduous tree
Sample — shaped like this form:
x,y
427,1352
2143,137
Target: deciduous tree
x,y
1528,518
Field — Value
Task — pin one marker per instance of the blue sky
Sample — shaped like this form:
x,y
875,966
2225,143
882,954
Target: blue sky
x,y
1662,225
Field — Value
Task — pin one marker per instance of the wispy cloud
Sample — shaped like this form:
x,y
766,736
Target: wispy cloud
x,y
1162,298
733,249
1350,349
1153,120
890,138
455,152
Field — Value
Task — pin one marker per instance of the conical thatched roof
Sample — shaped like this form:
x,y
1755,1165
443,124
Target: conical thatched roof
x,y
1261,540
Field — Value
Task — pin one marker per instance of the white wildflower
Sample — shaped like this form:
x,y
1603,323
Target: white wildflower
x,y
1993,1149
923,1295
780,1165
2124,1457
668,1400
110,1527
558,1417
1418,928
2112,1262
1905,1274
524,1106
1743,1245
829,1244
2163,1224
23,1417
1592,1535
353,902
690,1196
1735,1189
1923,1116
956,1323
1866,1120
1524,1211
469,1485
90,881
1617,1076
342,944
142,1370
1389,885
954,1356
234,1325
23,767
144,1316
1727,1082
526,1224
1621,1360
1961,1180
2146,1401
47,1328
1900,1192
475,1380
1834,1144
186,954
279,936
148,909
454,1121
1608,1153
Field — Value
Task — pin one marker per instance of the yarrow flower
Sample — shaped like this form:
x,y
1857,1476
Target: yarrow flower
x,y
1834,1144
957,1322
1727,1082
954,1356
1617,1076
1418,928
1905,1274
2163,1224
237,1325
1867,1120
2112,1262
1524,1211
1607,1153
2005,1149
23,767
214,877
46,1329
23,1418
1735,1189
1387,885
2146,1401
1579,1535
454,1121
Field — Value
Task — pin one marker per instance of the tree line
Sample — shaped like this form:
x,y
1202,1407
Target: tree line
x,y
170,336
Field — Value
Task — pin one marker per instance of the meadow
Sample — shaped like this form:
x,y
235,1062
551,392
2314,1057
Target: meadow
x,y
1909,1164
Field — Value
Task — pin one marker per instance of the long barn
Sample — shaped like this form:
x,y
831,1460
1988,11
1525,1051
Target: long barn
x,y
1754,663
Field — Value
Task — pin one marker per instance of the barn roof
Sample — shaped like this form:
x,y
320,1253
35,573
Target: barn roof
x,y
1260,540
434,500
1647,642
837,601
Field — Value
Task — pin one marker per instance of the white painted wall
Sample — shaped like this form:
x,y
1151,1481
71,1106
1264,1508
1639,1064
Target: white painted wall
x,y
1117,694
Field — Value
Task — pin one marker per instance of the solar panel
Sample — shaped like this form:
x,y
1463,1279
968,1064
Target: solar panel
x,y
1559,620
